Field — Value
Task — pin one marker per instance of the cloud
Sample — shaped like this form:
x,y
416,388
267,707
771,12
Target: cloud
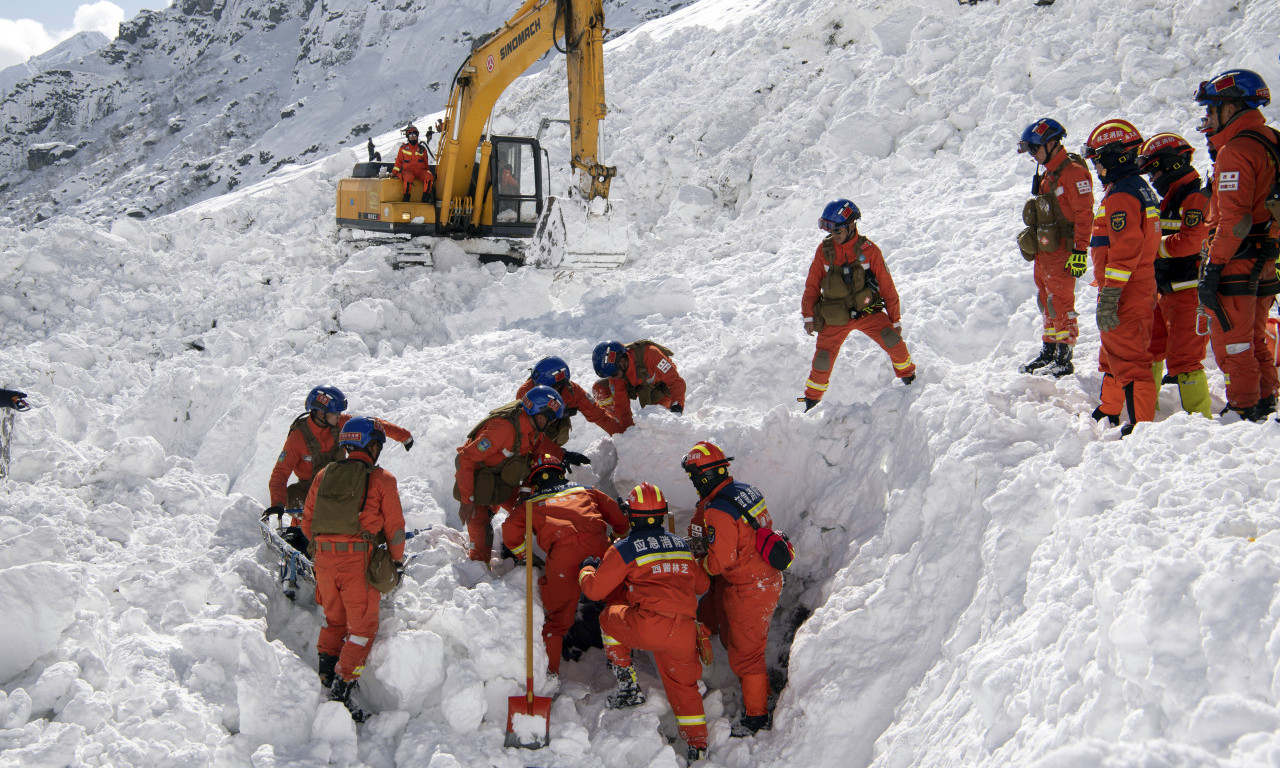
x,y
21,39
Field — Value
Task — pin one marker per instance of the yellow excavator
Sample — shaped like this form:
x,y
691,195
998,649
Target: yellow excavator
x,y
491,194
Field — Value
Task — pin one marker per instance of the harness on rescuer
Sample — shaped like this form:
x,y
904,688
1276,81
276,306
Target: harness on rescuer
x,y
847,291
647,392
494,485
1048,228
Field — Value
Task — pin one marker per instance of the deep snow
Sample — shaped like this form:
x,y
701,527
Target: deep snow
x,y
986,576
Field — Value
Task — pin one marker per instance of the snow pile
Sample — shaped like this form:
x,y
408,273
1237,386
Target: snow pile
x,y
986,576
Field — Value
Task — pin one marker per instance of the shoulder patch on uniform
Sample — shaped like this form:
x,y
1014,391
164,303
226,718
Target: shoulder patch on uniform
x,y
1118,220
484,444
1083,187
1192,219
1228,181
282,455
711,534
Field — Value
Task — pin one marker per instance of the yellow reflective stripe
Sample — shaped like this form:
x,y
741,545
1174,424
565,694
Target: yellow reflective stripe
x,y
518,549
754,510
903,366
811,384
657,557
1167,224
556,495
1163,253
691,719
1184,285
1152,213
608,640
1119,275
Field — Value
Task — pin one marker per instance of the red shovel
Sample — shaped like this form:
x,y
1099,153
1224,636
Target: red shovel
x,y
523,712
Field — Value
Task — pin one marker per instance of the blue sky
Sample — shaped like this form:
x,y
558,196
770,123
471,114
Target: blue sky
x,y
31,28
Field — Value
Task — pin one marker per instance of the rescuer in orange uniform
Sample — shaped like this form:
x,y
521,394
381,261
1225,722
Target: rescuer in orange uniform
x,y
744,588
350,503
656,612
1066,191
1238,280
312,444
849,288
570,522
642,370
554,372
1166,160
1126,237
497,458
413,163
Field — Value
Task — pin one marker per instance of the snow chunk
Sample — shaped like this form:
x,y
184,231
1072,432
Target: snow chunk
x,y
463,699
32,627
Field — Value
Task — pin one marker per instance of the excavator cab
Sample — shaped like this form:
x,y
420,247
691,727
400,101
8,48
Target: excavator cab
x,y
519,189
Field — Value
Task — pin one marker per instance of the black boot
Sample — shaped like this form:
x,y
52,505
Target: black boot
x,y
694,754
808,403
1061,365
1265,407
1099,415
327,664
341,691
750,725
405,199
628,693
1047,353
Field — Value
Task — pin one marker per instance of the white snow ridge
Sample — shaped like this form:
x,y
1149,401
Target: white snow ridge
x,y
985,576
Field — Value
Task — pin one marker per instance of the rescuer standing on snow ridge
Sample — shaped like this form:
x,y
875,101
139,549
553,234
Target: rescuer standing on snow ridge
x,y
1166,159
351,502
849,288
1126,237
1238,281
1058,219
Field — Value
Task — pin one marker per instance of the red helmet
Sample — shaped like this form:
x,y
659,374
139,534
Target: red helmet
x,y
547,469
1165,152
1117,138
707,467
646,500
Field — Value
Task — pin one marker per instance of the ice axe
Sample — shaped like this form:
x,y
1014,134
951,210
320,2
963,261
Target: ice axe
x,y
524,712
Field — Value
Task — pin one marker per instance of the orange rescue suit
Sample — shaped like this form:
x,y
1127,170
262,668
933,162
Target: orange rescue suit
x,y
350,603
1243,240
877,325
296,459
413,164
744,588
575,397
569,521
1126,238
657,614
493,444
614,394
1070,183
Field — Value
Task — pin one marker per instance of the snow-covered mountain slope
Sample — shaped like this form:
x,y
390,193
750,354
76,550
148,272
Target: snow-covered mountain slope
x,y
195,100
986,576
68,51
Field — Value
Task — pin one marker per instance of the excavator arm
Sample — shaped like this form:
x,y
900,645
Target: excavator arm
x,y
575,27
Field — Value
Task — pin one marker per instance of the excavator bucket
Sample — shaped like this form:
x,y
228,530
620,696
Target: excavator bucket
x,y
574,234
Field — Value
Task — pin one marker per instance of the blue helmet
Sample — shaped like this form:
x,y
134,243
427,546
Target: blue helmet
x,y
550,372
542,399
837,214
327,399
359,432
1040,133
1241,85
606,356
